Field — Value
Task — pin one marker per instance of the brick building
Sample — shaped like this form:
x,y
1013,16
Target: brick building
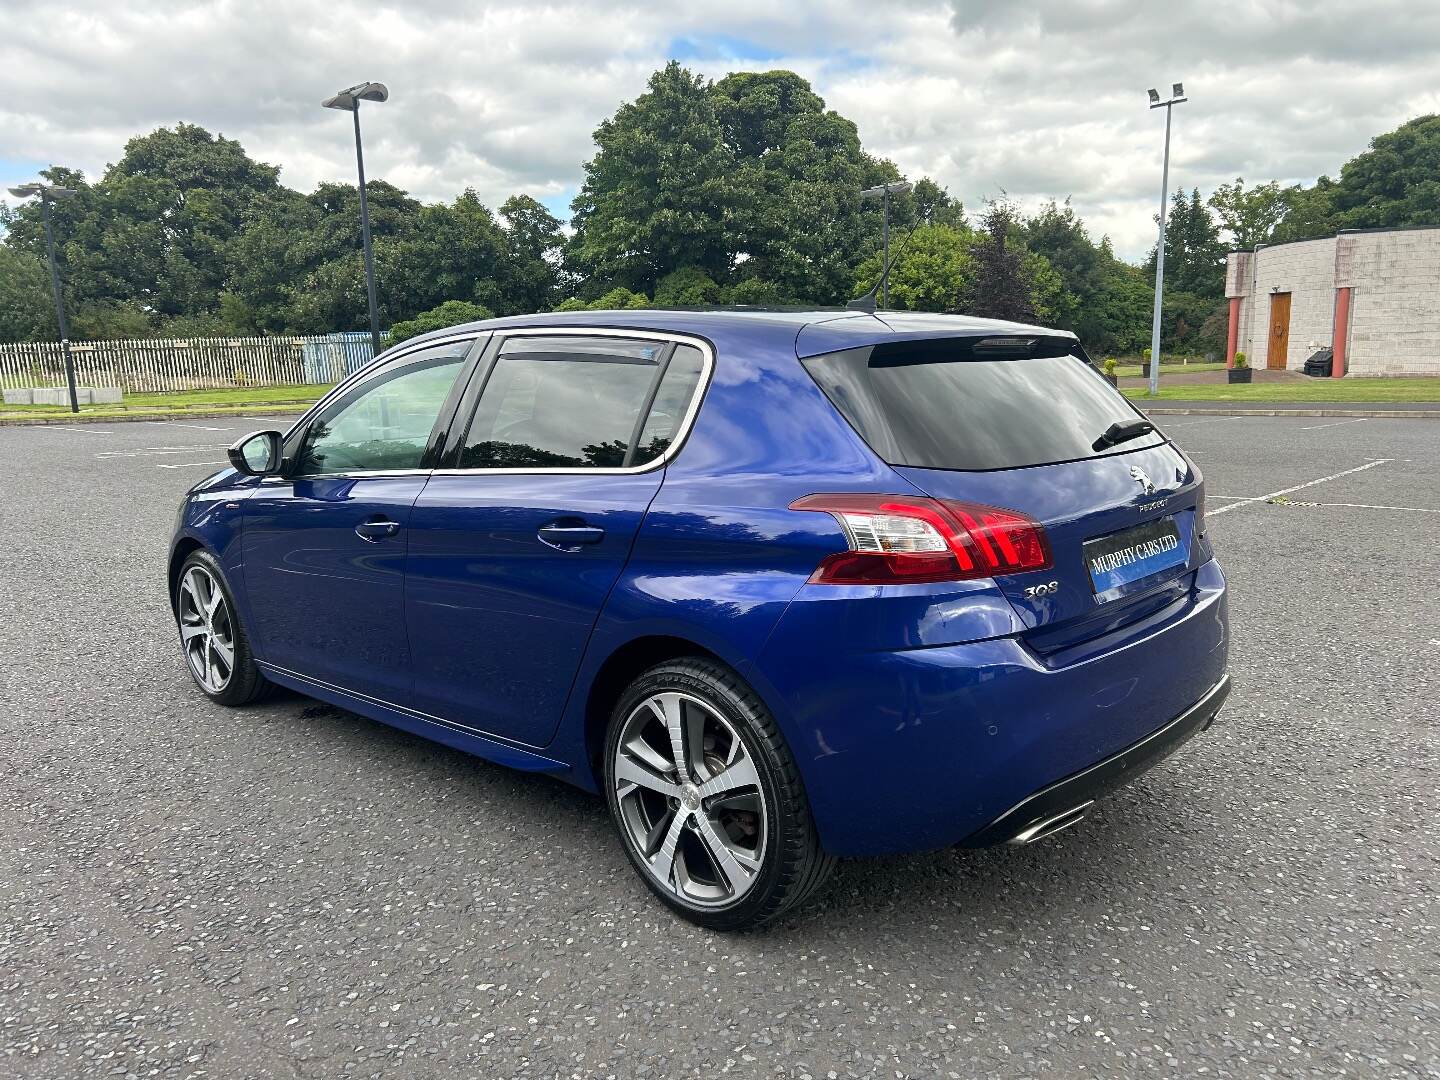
x,y
1372,295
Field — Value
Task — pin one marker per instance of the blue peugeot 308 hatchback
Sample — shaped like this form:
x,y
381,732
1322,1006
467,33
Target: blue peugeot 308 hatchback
x,y
785,586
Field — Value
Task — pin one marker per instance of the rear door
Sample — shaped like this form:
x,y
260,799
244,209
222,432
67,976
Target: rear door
x,y
516,544
1020,426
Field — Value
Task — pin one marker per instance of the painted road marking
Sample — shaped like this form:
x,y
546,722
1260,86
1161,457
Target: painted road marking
x,y
1212,420
58,429
1337,423
151,451
192,427
189,464
1370,506
1297,487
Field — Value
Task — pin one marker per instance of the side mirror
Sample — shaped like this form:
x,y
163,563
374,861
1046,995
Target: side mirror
x,y
257,454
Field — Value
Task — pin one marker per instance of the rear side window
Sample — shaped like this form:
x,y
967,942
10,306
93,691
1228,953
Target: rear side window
x,y
581,402
934,405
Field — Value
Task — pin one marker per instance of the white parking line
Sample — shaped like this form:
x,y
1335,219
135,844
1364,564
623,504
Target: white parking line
x,y
192,427
1297,487
65,429
1370,506
1337,423
151,451
1211,420
189,464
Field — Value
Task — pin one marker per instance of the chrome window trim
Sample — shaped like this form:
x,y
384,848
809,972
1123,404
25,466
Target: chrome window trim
x,y
707,367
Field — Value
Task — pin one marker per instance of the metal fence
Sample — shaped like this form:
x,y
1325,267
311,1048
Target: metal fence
x,y
142,365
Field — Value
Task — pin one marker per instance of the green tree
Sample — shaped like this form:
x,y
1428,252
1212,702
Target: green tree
x,y
687,287
450,313
1194,254
27,312
153,234
661,190
1249,215
1394,183
933,270
533,243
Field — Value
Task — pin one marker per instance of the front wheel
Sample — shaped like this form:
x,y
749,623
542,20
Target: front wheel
x,y
708,800
216,648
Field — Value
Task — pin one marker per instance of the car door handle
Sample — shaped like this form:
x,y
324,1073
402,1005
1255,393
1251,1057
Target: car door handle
x,y
570,537
375,531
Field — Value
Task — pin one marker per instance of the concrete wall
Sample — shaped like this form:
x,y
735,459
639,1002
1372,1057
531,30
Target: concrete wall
x,y
1395,302
1395,306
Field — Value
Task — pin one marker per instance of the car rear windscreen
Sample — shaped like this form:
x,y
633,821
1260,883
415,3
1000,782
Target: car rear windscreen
x,y
935,405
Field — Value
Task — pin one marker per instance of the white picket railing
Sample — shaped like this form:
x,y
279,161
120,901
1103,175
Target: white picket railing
x,y
142,365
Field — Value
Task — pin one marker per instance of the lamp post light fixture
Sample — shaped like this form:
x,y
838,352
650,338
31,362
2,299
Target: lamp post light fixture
x,y
49,193
883,193
349,101
1177,96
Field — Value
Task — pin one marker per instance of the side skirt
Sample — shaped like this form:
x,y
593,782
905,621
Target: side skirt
x,y
422,724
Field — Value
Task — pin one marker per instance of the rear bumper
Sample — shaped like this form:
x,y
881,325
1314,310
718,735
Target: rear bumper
x,y
1064,803
909,749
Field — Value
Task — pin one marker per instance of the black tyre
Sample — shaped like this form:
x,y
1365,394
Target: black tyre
x,y
707,798
212,639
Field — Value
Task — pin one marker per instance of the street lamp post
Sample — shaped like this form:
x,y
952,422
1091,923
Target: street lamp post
x,y
48,193
883,193
1177,95
349,101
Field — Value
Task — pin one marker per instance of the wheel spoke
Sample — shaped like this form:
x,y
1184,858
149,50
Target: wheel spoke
x,y
630,771
669,708
216,599
188,588
738,774
736,867
663,861
209,665
190,630
225,652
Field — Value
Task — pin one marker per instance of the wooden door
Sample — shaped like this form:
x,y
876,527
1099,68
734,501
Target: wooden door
x,y
1279,330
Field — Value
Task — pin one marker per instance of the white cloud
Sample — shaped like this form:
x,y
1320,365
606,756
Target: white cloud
x,y
1042,99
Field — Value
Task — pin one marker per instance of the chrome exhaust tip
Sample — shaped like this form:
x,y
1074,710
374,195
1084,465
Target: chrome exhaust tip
x,y
1038,830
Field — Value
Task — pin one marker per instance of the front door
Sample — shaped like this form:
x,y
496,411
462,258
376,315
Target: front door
x,y
514,549
324,543
1279,353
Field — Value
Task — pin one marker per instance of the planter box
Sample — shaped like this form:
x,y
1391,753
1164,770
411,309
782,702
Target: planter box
x,y
1144,371
60,395
1238,374
1113,380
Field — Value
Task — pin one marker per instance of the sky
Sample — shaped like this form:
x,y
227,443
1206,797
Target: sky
x,y
1037,100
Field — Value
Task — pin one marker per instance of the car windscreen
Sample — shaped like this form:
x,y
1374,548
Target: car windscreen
x,y
937,404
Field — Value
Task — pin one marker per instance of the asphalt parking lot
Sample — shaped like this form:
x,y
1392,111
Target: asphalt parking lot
x,y
292,891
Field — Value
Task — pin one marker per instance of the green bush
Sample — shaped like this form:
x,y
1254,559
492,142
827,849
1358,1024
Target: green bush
x,y
1241,360
450,313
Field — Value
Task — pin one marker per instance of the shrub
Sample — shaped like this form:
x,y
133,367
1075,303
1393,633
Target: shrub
x,y
1241,360
1110,366
450,313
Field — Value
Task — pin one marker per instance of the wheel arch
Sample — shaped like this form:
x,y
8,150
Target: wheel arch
x,y
620,669
183,549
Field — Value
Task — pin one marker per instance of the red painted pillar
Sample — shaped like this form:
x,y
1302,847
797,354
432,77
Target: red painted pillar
x,y
1234,338
1342,332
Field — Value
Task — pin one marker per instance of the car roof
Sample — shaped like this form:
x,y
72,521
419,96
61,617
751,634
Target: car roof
x,y
812,331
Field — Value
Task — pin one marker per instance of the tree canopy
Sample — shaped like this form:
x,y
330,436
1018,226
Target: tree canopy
x,y
744,190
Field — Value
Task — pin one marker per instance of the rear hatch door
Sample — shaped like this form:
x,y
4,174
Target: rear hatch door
x,y
1020,424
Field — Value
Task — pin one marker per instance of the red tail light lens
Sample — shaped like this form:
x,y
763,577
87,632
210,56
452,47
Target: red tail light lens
x,y
900,539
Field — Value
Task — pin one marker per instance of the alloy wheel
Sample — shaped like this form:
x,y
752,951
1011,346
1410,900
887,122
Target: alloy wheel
x,y
207,630
690,800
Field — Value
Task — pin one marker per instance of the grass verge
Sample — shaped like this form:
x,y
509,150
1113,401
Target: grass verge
x,y
1321,390
178,403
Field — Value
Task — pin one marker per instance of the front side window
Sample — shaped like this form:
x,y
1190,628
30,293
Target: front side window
x,y
385,423
580,402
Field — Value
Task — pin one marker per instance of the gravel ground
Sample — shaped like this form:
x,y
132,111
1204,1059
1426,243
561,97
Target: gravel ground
x,y
292,891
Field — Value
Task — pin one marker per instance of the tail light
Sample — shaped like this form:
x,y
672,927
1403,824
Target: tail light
x,y
899,539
